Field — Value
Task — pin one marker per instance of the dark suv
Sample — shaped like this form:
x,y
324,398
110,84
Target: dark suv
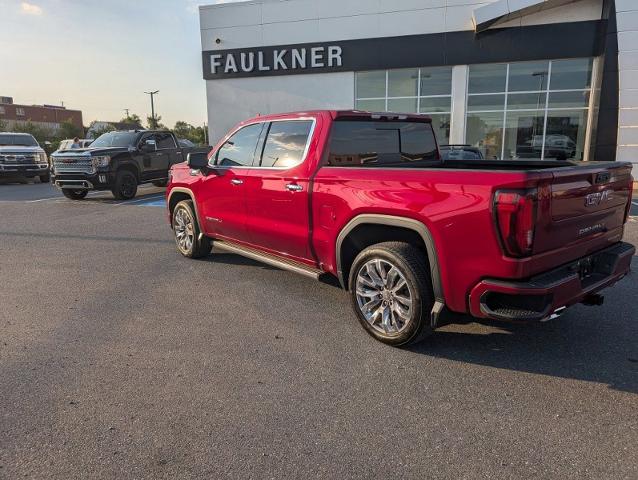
x,y
117,161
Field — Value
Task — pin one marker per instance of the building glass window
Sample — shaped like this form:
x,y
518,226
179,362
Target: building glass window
x,y
530,109
412,90
20,111
2,111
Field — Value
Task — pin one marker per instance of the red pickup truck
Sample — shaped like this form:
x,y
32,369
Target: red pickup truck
x,y
416,240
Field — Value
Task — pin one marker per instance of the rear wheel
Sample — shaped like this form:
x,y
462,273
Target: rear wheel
x,y
188,238
74,194
125,185
391,292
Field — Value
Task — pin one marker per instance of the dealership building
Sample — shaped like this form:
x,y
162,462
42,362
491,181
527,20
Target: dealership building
x,y
516,78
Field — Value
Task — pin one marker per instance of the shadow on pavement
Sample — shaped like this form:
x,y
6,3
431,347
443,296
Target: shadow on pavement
x,y
581,345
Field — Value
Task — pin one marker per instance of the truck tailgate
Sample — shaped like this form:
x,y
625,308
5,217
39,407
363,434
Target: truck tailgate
x,y
582,204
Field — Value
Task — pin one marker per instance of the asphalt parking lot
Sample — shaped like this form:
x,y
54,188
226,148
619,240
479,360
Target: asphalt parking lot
x,y
121,359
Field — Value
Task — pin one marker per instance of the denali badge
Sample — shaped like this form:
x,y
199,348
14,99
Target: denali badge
x,y
595,199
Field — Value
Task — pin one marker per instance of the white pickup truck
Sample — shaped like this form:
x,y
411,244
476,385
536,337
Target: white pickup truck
x,y
22,156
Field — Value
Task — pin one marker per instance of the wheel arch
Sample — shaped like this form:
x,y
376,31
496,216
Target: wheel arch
x,y
179,194
131,167
403,223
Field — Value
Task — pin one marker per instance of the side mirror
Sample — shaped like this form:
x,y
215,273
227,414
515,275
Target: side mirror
x,y
197,160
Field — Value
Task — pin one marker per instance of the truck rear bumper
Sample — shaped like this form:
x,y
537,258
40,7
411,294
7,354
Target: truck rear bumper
x,y
540,296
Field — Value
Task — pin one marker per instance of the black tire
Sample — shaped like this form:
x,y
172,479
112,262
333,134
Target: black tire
x,y
160,183
74,194
46,178
125,187
200,246
412,265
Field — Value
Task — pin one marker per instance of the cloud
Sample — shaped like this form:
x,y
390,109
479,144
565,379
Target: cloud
x,y
30,9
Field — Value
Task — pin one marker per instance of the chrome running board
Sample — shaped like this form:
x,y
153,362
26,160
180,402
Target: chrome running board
x,y
272,260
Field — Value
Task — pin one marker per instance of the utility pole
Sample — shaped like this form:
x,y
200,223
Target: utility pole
x,y
153,106
205,134
126,111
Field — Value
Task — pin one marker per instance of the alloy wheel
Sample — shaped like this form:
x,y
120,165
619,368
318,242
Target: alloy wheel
x,y
184,230
384,297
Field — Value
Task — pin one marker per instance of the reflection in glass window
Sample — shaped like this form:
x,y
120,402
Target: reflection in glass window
x,y
424,90
571,74
403,83
239,149
371,84
436,81
485,131
489,78
529,109
376,144
286,143
528,76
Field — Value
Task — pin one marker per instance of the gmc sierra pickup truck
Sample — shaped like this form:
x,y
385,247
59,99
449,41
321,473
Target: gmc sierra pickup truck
x,y
22,156
417,241
117,161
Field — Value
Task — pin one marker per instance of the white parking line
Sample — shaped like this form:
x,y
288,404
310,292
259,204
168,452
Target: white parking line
x,y
141,200
43,199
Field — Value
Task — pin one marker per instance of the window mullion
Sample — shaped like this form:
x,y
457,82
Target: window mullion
x,y
549,81
507,85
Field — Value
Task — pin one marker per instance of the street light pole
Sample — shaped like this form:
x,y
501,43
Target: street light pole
x,y
153,106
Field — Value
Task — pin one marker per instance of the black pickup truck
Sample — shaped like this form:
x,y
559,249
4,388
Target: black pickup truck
x,y
117,161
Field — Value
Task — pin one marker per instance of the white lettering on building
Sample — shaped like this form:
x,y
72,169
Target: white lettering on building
x,y
276,60
298,58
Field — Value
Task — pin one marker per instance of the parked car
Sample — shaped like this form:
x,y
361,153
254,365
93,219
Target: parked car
x,y
22,156
66,144
117,161
460,152
417,242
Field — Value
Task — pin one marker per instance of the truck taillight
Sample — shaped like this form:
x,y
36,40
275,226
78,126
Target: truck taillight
x,y
515,213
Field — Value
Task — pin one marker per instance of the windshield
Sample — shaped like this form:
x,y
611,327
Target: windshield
x,y
22,140
115,139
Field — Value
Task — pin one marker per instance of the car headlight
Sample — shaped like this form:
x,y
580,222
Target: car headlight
x,y
42,157
101,161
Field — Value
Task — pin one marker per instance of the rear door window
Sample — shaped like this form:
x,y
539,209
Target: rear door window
x,y
286,143
164,141
239,150
369,143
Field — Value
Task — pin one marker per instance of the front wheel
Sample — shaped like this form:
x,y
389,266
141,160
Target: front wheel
x,y
74,194
125,187
46,178
391,292
188,238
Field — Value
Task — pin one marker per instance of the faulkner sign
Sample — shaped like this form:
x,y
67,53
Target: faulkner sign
x,y
576,39
272,61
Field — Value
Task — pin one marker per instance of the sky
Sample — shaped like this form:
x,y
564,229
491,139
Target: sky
x,y
100,56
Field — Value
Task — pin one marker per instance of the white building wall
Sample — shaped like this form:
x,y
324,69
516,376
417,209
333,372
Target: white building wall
x,y
627,20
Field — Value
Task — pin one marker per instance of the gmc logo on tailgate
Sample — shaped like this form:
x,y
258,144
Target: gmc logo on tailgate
x,y
595,199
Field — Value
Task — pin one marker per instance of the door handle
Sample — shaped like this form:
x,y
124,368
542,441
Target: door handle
x,y
293,187
236,181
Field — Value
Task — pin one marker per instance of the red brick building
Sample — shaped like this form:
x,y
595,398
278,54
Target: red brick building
x,y
50,116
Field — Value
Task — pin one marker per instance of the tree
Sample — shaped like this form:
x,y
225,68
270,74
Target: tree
x,y
3,126
68,130
155,123
189,132
132,118
97,132
42,134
